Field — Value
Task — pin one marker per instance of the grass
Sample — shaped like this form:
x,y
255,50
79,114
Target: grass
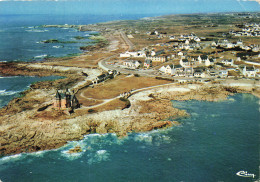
x,y
120,84
115,104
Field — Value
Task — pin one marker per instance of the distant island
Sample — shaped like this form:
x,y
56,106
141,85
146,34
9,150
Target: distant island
x,y
126,80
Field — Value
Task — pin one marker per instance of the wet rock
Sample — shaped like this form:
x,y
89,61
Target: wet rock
x,y
77,149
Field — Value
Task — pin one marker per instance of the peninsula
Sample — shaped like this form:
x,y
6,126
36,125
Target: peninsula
x,y
126,81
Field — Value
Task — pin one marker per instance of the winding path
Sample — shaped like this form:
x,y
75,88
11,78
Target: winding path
x,y
105,101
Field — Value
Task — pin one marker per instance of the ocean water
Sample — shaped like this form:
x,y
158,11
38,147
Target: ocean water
x,y
217,141
21,36
12,86
21,39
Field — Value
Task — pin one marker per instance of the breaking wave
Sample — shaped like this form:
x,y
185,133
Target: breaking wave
x,y
40,56
98,156
6,93
36,30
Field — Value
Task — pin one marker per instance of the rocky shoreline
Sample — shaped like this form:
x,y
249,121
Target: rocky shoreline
x,y
23,129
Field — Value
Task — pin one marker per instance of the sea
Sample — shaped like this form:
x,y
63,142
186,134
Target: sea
x,y
22,40
217,141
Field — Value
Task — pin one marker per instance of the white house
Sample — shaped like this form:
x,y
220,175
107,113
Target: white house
x,y
199,74
162,69
197,39
157,58
153,53
214,44
202,58
223,73
131,64
249,71
179,71
139,54
169,69
229,62
180,53
187,42
185,63
209,62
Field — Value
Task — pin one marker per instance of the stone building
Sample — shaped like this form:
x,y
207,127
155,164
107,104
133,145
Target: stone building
x,y
65,100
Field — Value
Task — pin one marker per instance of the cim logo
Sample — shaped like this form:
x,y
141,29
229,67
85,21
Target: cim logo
x,y
245,174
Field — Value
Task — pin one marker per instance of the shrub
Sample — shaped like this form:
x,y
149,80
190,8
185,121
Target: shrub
x,y
91,110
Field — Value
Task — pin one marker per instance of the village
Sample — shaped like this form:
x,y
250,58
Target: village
x,y
188,57
184,58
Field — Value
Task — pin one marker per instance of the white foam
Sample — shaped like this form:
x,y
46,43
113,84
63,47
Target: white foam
x,y
231,99
35,30
5,93
144,138
56,47
99,156
101,152
11,158
41,56
39,153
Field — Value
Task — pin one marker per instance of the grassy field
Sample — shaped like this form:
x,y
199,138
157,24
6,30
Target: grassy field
x,y
120,84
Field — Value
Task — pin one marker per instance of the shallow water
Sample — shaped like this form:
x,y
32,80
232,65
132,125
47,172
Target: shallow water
x,y
217,141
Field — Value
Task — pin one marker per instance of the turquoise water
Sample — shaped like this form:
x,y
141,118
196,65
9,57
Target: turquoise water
x,y
217,141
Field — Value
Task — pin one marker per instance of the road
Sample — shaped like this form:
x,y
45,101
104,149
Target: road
x,y
105,101
130,44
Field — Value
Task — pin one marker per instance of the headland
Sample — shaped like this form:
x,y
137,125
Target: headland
x,y
125,83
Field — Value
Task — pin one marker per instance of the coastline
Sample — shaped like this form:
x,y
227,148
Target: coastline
x,y
25,129
149,110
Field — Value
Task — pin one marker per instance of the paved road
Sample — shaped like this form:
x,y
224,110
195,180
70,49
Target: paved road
x,y
130,44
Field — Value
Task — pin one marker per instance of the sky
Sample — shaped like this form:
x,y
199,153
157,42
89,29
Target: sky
x,y
126,6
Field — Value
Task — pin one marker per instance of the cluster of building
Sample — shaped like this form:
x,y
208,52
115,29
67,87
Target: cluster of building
x,y
198,69
182,53
249,30
105,76
239,44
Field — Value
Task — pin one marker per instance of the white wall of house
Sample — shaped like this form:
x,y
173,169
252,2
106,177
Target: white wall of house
x,y
169,70
248,73
157,59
